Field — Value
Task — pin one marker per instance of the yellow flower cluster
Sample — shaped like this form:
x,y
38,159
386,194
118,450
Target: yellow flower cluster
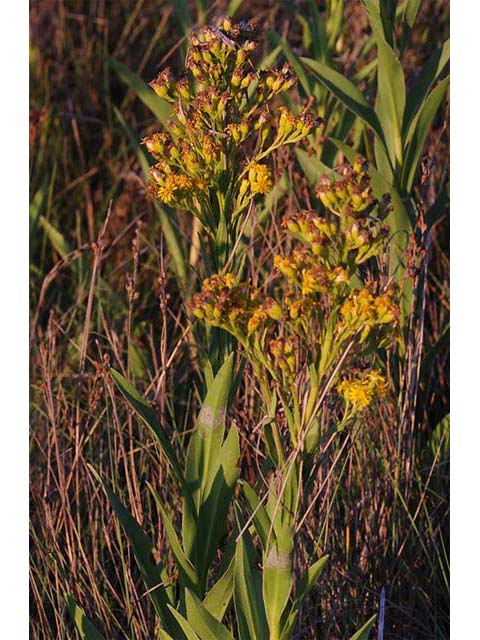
x,y
259,178
217,110
362,311
282,351
351,195
322,311
240,309
360,392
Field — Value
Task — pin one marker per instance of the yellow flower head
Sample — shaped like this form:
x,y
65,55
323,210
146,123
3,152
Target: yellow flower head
x,y
362,391
259,177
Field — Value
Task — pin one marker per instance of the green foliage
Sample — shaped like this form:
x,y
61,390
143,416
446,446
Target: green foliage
x,y
83,625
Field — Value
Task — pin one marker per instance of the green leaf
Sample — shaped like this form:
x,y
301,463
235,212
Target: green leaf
x,y
160,108
261,519
183,15
37,203
391,95
347,93
202,621
422,85
143,549
149,416
312,167
185,626
163,635
305,585
411,10
212,517
423,124
233,7
309,579
56,238
364,632
206,441
83,625
186,568
218,598
278,577
247,594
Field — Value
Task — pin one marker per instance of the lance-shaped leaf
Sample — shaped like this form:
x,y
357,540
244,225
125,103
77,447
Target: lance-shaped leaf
x,y
218,598
421,87
187,571
160,108
83,625
148,415
184,625
425,118
207,438
305,585
202,621
152,574
312,167
247,593
364,632
219,490
391,93
347,93
277,577
258,513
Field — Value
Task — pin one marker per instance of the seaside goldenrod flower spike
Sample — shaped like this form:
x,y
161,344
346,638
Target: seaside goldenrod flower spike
x,y
221,117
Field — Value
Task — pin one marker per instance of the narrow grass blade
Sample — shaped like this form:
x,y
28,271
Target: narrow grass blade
x,y
171,238
56,238
202,621
143,551
83,625
364,632
149,416
187,571
160,108
37,203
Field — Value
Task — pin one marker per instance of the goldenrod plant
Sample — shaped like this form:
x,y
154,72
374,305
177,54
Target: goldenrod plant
x,y
318,336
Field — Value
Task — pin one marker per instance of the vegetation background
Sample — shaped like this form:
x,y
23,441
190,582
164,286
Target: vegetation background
x,y
120,303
